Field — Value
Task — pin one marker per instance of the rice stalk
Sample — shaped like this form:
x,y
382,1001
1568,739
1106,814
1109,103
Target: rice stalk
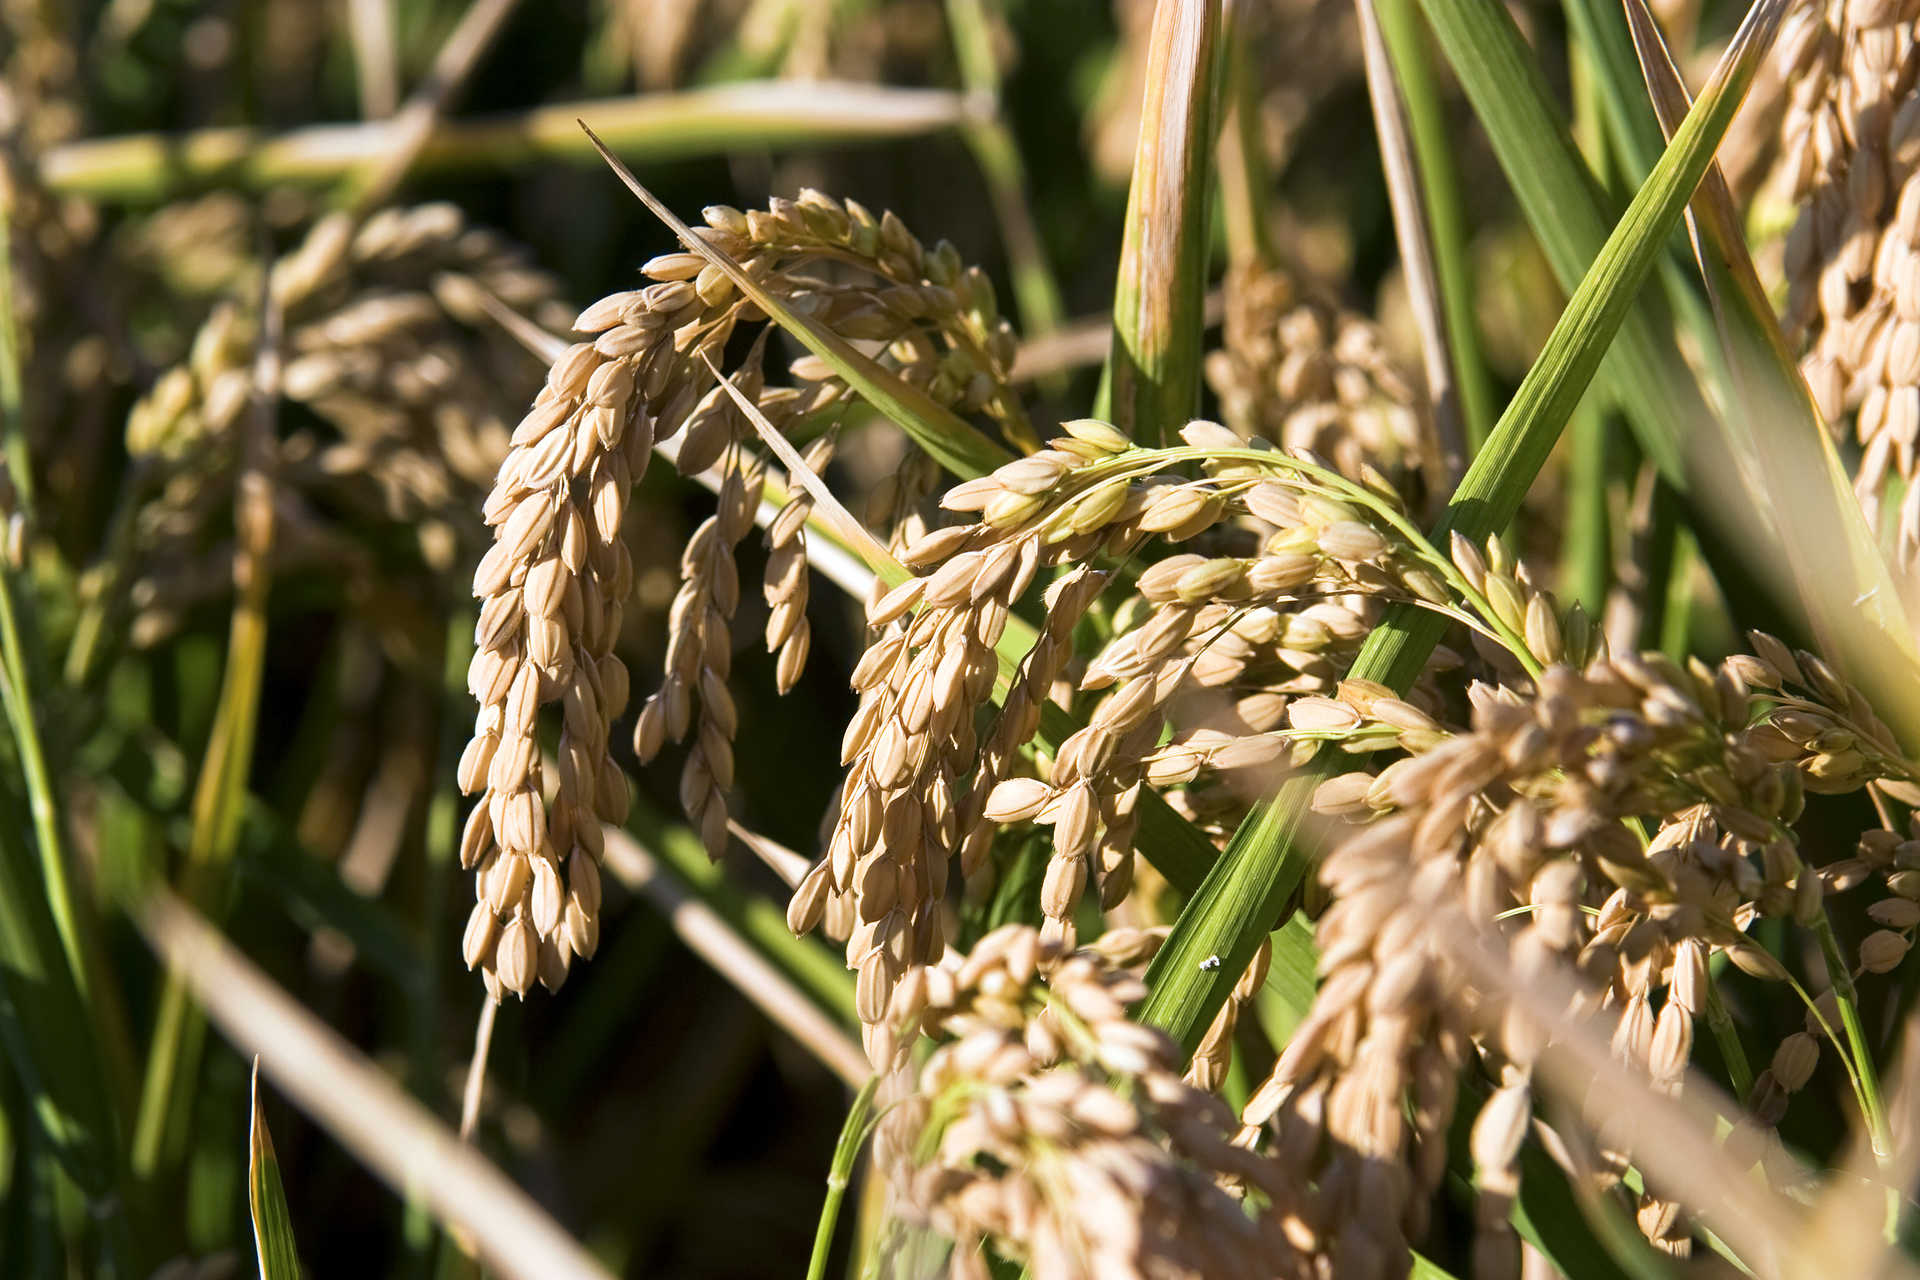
x,y
414,123
153,167
1414,234
375,62
1440,194
1245,894
853,1136
705,932
994,150
1152,381
163,1121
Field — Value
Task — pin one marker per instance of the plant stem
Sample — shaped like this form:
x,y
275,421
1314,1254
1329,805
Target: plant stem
x,y
441,837
75,922
219,798
1406,183
853,1135
991,141
156,167
1153,371
1433,149
1847,996
14,689
13,425
1727,1036
1586,554
1244,180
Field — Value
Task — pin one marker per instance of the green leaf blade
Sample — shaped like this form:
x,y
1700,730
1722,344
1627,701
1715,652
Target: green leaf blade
x,y
273,1241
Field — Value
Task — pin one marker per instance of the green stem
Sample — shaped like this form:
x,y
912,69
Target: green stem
x,y
54,1052
853,1135
14,689
1153,371
101,584
1586,554
1676,622
1433,148
994,149
219,800
77,925
1727,1036
12,419
1847,996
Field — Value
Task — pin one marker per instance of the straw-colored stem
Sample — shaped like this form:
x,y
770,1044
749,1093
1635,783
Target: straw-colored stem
x,y
1245,183
353,1100
475,1090
440,841
1404,184
777,114
416,120
738,958
376,62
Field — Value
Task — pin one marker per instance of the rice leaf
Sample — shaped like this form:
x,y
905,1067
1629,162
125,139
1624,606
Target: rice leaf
x,y
1446,217
1644,374
273,1244
1245,894
1153,371
51,1051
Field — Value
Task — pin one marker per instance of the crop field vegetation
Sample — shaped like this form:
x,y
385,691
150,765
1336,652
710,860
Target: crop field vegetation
x,y
895,639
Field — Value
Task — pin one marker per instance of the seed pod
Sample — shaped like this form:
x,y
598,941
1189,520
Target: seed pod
x,y
1322,715
1795,1059
1351,541
1895,913
1091,430
1882,950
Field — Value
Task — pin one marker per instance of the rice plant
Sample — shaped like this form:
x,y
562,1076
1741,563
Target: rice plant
x,y
1270,639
